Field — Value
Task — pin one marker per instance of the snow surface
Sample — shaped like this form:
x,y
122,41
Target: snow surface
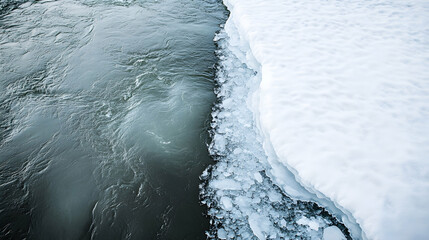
x,y
343,103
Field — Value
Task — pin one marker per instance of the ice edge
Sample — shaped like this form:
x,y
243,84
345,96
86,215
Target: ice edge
x,y
291,183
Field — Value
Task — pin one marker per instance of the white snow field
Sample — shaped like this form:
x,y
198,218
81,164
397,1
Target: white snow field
x,y
342,101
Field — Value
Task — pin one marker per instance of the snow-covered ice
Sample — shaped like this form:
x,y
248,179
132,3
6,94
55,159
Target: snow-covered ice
x,y
342,102
243,201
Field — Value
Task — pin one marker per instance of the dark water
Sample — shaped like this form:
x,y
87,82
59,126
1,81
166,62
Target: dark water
x,y
103,118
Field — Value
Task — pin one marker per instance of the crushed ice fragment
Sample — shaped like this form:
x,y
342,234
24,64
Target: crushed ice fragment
x,y
226,203
258,177
259,224
333,233
308,222
274,196
221,234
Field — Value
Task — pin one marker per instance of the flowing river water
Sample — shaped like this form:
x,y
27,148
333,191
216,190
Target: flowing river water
x,y
105,106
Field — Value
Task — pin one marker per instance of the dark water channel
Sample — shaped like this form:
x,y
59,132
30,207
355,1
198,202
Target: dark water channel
x,y
103,118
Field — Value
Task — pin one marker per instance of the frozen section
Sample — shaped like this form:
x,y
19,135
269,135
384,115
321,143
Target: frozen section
x,y
343,104
243,201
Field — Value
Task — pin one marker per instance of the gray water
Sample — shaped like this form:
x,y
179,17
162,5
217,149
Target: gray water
x,y
103,118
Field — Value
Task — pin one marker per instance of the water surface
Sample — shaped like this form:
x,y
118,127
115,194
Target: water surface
x,y
103,118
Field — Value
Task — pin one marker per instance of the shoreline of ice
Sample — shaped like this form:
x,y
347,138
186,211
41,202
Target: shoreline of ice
x,y
352,129
288,182
243,200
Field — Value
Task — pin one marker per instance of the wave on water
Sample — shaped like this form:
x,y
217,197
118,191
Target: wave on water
x,y
103,111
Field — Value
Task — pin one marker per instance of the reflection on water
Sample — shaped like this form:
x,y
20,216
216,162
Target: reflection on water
x,y
103,117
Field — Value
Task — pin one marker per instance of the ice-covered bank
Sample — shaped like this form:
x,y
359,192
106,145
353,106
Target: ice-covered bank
x,y
343,103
